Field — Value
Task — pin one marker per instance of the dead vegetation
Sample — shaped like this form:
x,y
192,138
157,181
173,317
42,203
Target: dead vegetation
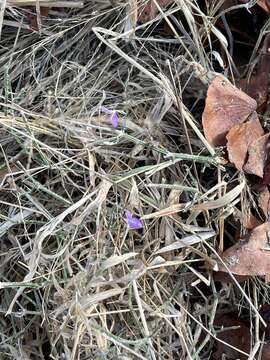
x,y
116,204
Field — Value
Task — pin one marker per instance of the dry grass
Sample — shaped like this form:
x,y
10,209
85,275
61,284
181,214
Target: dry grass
x,y
76,282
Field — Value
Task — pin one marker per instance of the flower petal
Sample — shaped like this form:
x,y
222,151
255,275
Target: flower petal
x,y
105,110
133,222
114,119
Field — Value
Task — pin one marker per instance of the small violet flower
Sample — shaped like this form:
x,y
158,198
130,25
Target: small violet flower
x,y
133,222
114,118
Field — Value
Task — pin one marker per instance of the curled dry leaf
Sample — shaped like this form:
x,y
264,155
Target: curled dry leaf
x,y
225,107
239,139
257,156
249,256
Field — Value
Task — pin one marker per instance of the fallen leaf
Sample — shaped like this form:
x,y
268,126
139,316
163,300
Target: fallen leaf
x,y
32,17
265,314
237,335
264,202
256,85
225,107
246,219
266,175
257,156
226,278
257,88
250,255
250,222
240,137
265,5
150,10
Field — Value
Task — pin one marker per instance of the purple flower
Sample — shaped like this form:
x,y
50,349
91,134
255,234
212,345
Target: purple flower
x,y
133,222
114,118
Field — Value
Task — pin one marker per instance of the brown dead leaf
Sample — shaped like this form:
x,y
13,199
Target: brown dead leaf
x,y
266,175
265,352
265,5
240,137
257,88
250,222
150,10
256,85
249,256
225,107
264,202
226,278
238,337
32,17
257,156
265,314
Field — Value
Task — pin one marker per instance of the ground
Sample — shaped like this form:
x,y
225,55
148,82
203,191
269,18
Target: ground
x,y
106,250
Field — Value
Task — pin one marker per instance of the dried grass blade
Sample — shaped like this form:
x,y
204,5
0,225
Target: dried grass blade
x,y
222,201
116,260
187,241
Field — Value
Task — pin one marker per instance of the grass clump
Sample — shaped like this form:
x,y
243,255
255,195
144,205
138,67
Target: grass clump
x,y
76,281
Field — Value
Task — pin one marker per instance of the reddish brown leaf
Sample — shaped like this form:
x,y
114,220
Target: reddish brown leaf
x,y
226,278
251,222
250,256
225,107
256,85
257,156
257,88
150,10
265,313
240,137
266,175
265,352
32,18
264,202
264,4
238,337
